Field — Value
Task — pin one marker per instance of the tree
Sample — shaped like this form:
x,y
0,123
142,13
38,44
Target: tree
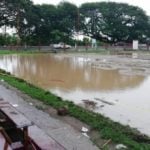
x,y
54,24
38,24
42,23
14,14
113,22
67,14
45,24
7,39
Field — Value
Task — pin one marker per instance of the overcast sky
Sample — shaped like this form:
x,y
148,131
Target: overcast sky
x,y
145,4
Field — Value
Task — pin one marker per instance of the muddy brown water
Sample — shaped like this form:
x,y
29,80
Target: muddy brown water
x,y
121,97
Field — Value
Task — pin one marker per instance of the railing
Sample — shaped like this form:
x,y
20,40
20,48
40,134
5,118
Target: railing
x,y
78,48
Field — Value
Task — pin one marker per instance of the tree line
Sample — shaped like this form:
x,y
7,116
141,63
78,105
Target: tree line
x,y
108,22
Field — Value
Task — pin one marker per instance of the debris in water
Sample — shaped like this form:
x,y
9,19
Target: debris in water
x,y
90,103
104,60
102,106
106,102
129,120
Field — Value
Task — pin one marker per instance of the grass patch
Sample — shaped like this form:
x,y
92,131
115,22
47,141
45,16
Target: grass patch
x,y
10,52
6,52
106,127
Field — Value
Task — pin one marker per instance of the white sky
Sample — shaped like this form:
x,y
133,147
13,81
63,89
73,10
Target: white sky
x,y
144,4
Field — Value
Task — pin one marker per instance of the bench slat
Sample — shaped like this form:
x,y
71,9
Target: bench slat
x,y
19,119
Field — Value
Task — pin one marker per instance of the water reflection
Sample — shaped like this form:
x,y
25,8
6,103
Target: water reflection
x,y
53,72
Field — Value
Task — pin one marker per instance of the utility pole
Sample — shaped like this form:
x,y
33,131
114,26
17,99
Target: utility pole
x,y
94,13
5,28
77,27
18,26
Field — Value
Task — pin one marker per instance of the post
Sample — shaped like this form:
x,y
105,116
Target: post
x,y
18,26
135,44
26,138
77,28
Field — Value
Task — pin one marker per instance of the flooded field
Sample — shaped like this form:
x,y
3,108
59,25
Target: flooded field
x,y
123,98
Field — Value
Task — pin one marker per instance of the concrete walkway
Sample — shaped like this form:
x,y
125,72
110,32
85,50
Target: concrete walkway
x,y
56,129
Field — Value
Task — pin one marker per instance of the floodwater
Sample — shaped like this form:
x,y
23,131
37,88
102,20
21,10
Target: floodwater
x,y
123,98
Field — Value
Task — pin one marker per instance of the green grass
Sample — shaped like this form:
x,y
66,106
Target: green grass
x,y
4,52
10,52
106,128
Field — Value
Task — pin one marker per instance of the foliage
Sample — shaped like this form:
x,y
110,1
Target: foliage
x,y
15,14
44,24
45,16
7,40
67,17
113,22
86,41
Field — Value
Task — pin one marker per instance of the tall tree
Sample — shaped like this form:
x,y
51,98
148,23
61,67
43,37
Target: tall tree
x,y
54,23
42,22
66,19
13,14
113,22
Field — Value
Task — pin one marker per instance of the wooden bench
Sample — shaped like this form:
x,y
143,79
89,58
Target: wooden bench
x,y
3,142
7,143
16,121
32,135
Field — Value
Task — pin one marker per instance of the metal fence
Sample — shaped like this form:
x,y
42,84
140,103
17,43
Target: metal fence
x,y
77,48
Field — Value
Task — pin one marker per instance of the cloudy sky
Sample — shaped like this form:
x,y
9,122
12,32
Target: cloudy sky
x,y
141,3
